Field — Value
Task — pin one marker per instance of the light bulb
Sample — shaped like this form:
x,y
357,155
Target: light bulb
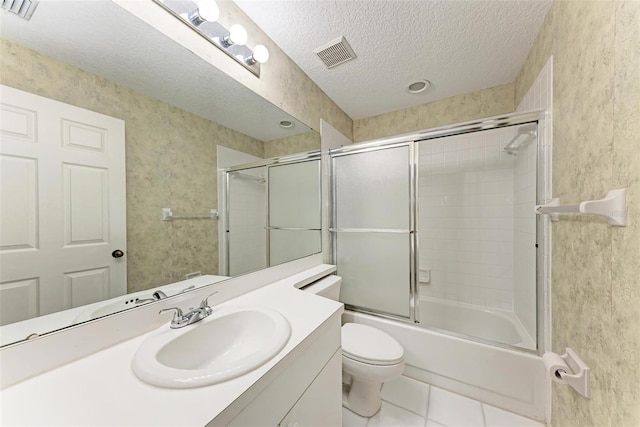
x,y
208,10
261,54
237,35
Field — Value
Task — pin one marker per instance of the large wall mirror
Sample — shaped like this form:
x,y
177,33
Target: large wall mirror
x,y
186,128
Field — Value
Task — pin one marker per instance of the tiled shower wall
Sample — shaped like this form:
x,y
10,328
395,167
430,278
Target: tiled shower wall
x,y
466,222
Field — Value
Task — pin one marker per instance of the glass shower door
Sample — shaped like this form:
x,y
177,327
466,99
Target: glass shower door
x,y
294,211
373,228
271,212
477,234
246,238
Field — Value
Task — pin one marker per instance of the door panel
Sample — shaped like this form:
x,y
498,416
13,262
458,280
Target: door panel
x,y
18,204
86,204
18,300
86,287
83,136
17,123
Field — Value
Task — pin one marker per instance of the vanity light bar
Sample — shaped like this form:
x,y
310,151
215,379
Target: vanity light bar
x,y
23,8
217,34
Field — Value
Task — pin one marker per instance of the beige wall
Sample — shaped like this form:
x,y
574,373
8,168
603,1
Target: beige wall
x,y
596,267
461,108
300,143
171,162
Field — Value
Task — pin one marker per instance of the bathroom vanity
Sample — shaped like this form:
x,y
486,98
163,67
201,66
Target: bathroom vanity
x,y
300,384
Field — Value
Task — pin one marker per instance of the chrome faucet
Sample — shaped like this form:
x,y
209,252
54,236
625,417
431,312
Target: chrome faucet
x,y
156,296
181,319
159,295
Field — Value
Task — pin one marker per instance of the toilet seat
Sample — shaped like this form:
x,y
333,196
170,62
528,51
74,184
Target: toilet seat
x,y
370,345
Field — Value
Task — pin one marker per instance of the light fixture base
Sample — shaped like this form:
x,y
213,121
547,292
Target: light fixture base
x,y
214,32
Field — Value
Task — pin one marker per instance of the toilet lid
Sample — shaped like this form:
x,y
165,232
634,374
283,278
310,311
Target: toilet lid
x,y
370,345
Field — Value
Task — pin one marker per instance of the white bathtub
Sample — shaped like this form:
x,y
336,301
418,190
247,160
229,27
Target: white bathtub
x,y
480,322
509,379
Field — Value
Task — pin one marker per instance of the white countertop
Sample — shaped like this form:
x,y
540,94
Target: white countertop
x,y
18,331
101,389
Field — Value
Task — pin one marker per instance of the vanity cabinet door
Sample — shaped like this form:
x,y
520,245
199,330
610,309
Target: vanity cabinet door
x,y
321,403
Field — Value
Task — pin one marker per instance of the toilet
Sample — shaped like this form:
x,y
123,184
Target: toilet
x,y
369,357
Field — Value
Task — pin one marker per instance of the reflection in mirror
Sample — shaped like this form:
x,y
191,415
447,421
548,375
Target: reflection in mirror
x,y
173,130
294,211
271,213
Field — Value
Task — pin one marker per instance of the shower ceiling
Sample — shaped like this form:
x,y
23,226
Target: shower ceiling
x,y
460,46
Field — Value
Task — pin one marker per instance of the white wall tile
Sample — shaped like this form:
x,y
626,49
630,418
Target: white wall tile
x,y
476,217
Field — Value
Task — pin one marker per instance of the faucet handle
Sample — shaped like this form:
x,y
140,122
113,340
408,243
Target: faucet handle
x,y
205,301
204,305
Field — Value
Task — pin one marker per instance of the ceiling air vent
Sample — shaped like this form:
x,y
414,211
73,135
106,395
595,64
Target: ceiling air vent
x,y
22,8
335,52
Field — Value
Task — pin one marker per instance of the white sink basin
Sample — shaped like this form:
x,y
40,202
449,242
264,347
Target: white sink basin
x,y
230,342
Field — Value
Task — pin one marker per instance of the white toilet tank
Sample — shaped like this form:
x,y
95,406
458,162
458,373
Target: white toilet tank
x,y
328,287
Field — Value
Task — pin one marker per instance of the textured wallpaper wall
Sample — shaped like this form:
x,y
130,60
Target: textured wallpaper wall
x,y
461,108
171,162
596,267
300,143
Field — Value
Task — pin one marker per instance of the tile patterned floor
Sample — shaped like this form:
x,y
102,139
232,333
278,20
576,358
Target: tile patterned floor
x,y
408,403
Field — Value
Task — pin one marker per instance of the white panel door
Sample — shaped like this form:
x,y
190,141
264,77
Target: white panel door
x,y
62,206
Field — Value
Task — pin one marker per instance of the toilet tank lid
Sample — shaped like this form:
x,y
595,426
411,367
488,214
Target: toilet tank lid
x,y
368,344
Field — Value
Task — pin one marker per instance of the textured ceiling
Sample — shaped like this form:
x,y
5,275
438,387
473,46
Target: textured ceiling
x,y
104,39
460,46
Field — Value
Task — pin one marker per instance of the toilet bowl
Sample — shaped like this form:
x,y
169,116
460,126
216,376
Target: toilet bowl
x,y
369,357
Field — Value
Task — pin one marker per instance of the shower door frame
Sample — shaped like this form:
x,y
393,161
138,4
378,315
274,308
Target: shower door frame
x,y
267,163
543,227
411,231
